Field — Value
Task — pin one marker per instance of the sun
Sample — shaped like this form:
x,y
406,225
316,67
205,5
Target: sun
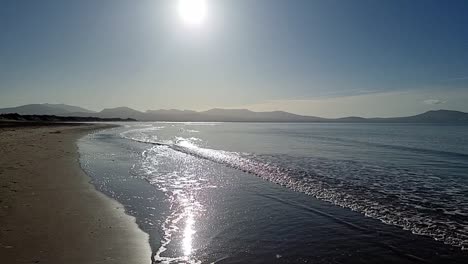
x,y
192,12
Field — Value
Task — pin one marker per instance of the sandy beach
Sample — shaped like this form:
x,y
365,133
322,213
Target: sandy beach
x,y
49,212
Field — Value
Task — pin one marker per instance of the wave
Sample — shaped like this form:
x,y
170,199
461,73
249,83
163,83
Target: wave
x,y
415,200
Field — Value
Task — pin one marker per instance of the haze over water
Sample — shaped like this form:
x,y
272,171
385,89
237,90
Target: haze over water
x,y
247,193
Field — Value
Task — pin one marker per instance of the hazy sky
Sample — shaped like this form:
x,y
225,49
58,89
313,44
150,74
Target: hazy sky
x,y
325,58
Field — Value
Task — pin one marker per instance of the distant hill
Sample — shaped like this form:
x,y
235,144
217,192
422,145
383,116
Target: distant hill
x,y
434,116
44,109
70,108
244,115
227,115
213,115
54,118
250,116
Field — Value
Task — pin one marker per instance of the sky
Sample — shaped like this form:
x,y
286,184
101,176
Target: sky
x,y
325,58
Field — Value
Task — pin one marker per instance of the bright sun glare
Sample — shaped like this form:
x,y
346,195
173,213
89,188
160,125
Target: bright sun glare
x,y
192,12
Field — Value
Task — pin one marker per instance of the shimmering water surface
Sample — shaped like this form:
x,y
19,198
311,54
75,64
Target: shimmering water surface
x,y
289,193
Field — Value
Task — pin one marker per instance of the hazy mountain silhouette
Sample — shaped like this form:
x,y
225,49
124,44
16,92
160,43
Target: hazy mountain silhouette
x,y
55,118
45,109
433,116
70,108
247,115
227,115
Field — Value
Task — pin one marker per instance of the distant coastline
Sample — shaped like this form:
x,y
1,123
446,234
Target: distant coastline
x,y
64,113
54,118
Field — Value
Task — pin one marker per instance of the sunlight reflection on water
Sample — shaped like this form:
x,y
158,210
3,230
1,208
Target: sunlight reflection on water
x,y
181,187
188,232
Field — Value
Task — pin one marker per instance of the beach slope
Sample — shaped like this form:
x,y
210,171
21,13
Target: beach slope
x,y
49,212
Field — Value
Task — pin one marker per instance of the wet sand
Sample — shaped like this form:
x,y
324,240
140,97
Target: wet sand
x,y
49,212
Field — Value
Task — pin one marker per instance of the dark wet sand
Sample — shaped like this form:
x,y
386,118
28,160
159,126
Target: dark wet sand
x,y
49,212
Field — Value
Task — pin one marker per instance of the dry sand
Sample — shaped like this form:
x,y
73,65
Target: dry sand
x,y
49,212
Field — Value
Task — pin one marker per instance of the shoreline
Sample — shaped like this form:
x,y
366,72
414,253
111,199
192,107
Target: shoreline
x,y
49,210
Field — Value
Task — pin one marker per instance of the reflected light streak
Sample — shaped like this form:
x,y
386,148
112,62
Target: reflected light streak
x,y
188,232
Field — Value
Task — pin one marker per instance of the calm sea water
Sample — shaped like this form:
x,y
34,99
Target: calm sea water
x,y
289,193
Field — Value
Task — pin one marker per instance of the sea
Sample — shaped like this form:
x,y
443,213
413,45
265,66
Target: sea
x,y
289,192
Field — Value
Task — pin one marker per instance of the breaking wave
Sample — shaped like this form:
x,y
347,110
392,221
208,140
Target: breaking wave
x,y
416,200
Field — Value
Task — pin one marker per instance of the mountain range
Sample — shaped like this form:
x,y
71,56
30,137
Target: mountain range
x,y
226,115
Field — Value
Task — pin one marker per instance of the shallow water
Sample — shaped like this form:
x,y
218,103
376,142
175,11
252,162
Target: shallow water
x,y
289,193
